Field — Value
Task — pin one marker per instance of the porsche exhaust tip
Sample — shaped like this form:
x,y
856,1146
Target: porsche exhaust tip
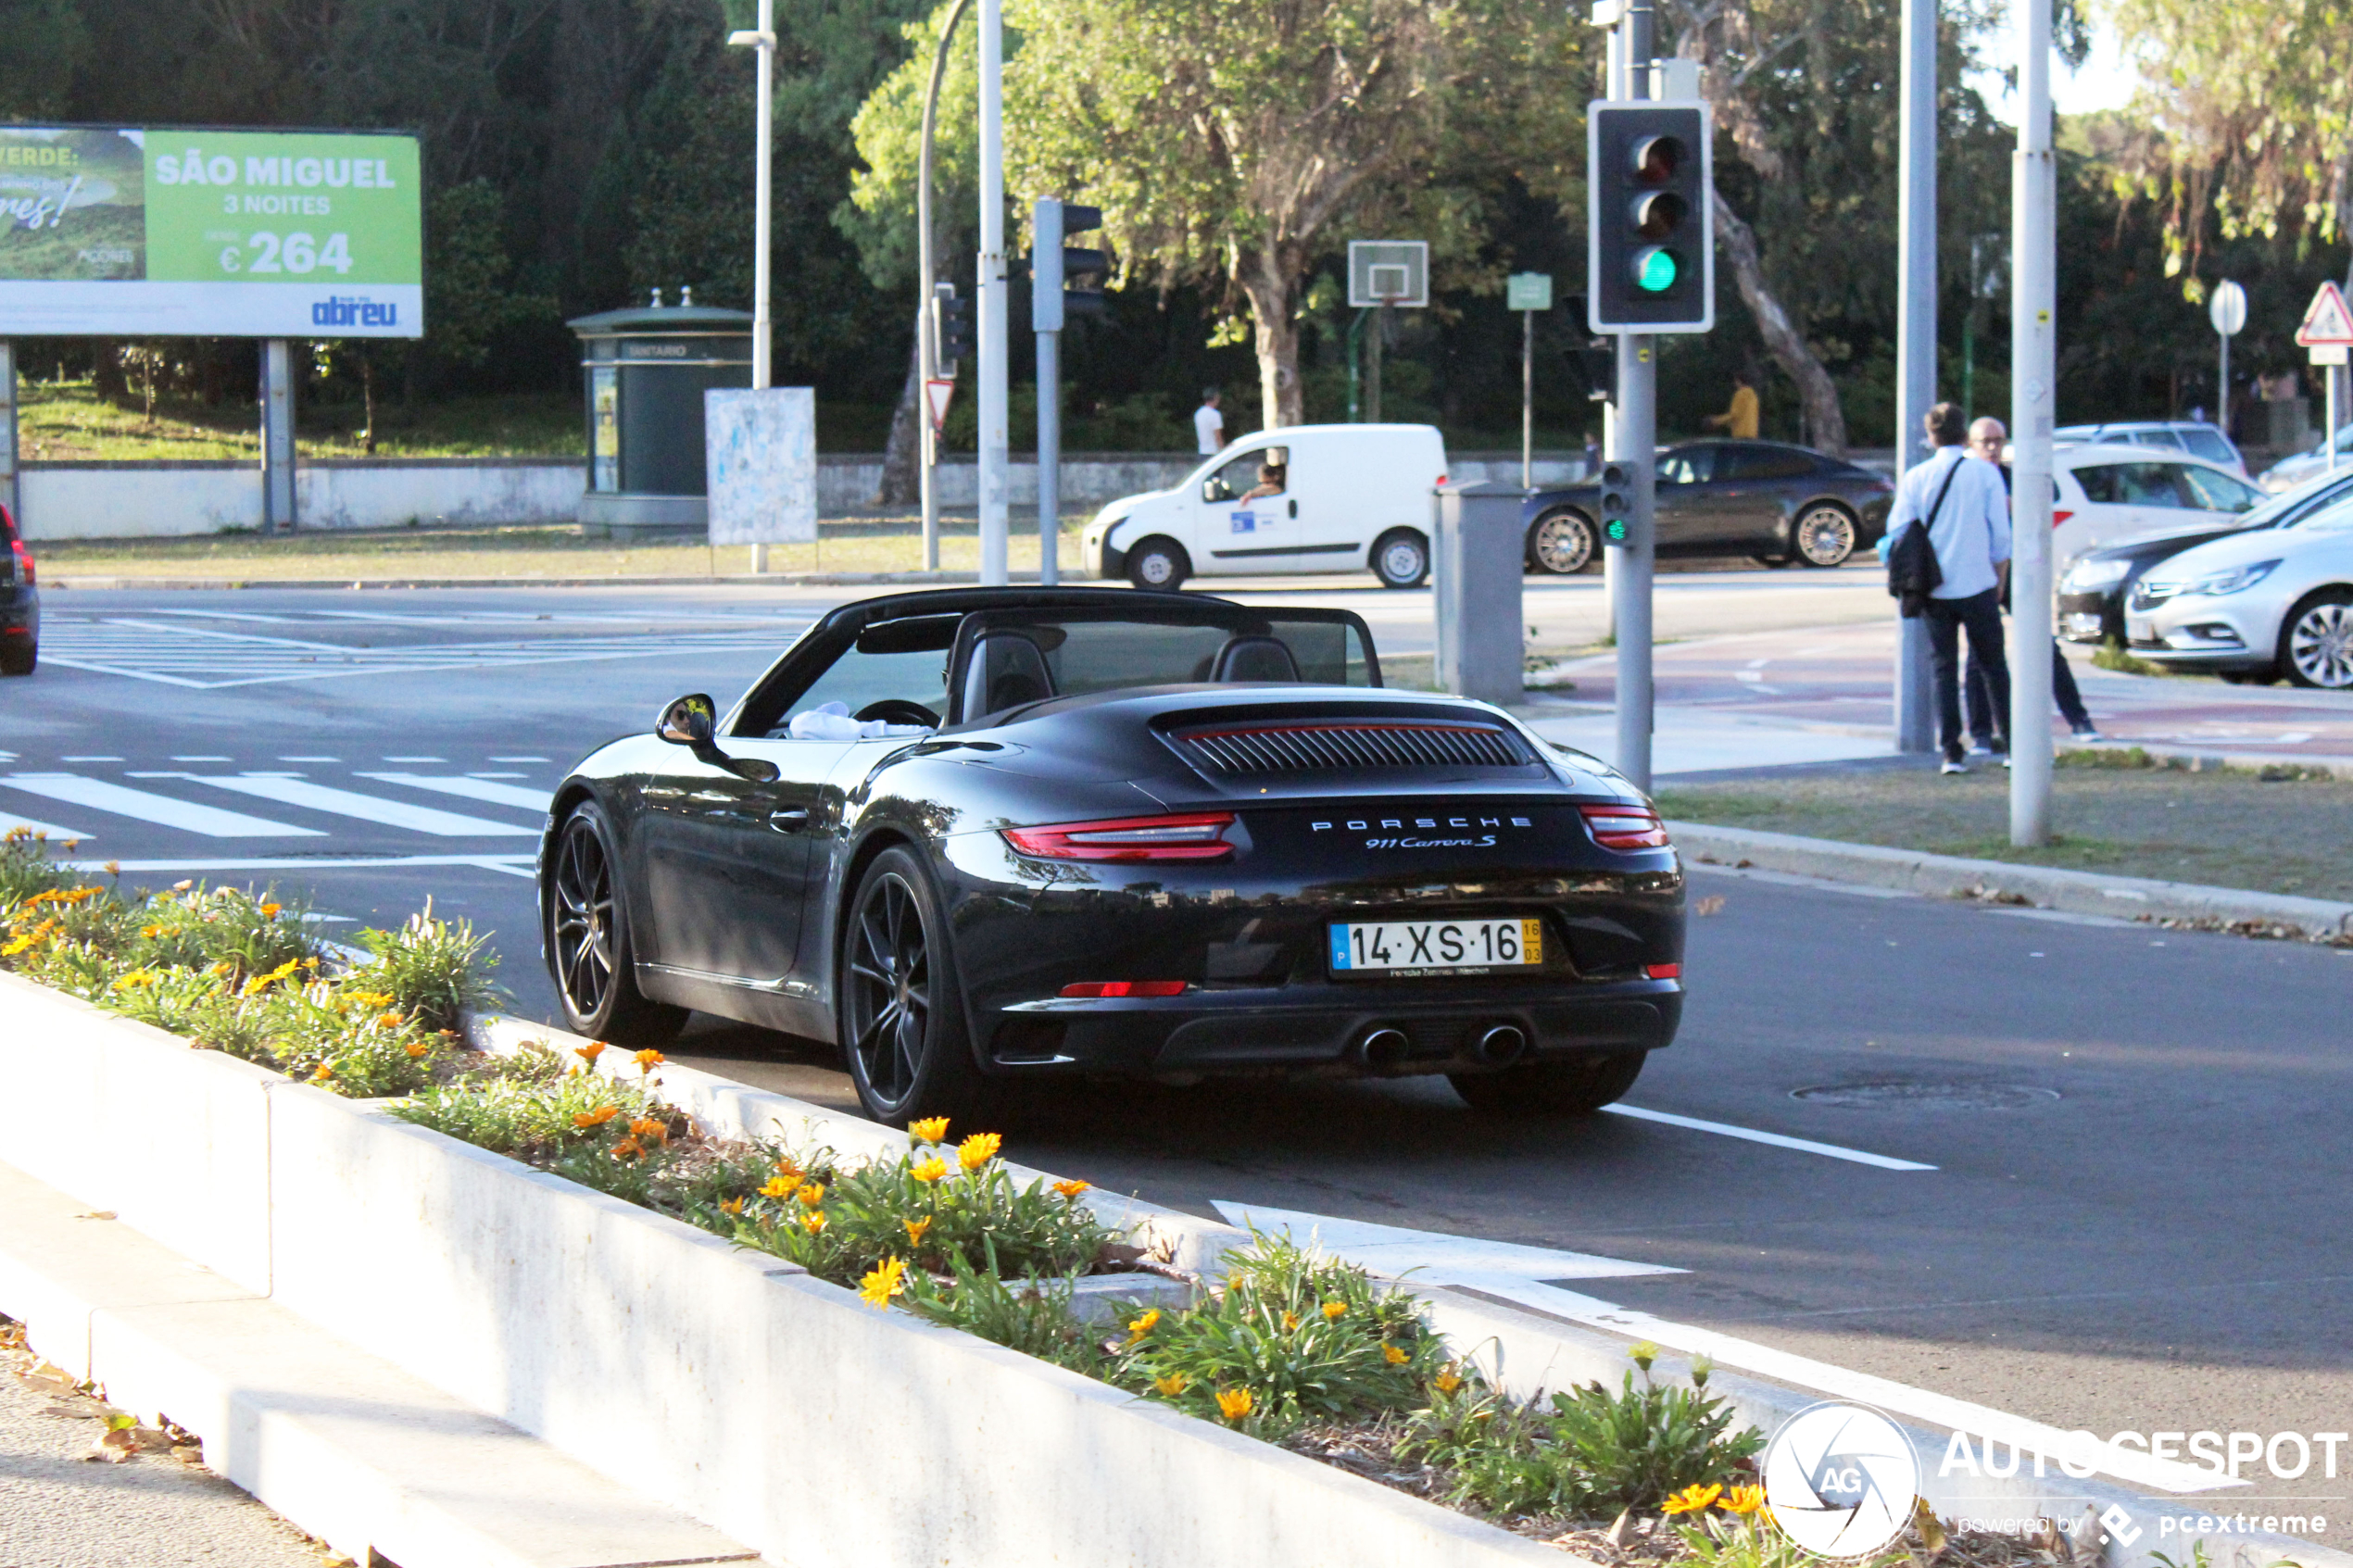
x,y
1501,1046
1384,1048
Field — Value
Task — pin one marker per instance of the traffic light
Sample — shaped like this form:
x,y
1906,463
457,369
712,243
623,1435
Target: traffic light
x,y
951,321
1650,230
1064,281
1619,478
1597,368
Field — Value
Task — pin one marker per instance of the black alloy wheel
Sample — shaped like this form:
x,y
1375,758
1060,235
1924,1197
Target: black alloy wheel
x,y
902,1010
1158,566
1563,543
588,941
1550,1088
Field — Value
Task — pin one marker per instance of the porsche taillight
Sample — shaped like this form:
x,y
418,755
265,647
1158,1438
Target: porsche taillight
x,y
1625,827
1185,835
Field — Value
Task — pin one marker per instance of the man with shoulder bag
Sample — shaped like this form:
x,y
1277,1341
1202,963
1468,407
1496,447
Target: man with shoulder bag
x,y
1948,540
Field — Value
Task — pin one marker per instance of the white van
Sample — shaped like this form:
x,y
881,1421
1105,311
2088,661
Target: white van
x,y
1296,499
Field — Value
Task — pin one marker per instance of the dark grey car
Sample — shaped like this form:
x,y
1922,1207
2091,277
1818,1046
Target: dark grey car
x,y
1778,504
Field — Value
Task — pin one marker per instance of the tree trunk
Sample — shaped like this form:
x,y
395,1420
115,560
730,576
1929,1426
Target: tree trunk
x,y
368,399
1824,421
1272,289
902,480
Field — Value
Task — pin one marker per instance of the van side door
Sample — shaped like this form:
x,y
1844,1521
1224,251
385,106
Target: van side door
x,y
1249,515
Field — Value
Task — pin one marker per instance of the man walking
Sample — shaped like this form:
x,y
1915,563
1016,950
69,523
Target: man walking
x,y
1739,420
1209,425
1989,729
1959,501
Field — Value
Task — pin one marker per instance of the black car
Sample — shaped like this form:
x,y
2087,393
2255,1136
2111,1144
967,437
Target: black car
x,y
1778,504
2092,593
1091,832
19,602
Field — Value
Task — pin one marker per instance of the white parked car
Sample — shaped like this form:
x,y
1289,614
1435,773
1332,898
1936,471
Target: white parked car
x,y
2289,472
2110,493
2194,436
1296,499
2257,606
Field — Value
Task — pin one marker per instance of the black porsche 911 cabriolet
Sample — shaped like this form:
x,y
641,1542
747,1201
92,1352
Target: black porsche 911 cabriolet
x,y
979,836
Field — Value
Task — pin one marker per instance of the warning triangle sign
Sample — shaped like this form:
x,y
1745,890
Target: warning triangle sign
x,y
2328,321
936,395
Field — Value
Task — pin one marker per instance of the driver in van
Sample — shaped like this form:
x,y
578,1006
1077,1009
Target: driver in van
x,y
1270,483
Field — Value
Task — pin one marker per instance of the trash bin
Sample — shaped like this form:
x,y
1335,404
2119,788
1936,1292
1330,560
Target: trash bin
x,y
1481,551
647,371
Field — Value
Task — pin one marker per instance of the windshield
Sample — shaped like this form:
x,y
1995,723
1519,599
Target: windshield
x,y
2290,508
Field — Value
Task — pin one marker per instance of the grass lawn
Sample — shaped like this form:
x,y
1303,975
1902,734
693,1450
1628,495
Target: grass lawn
x,y
524,552
2122,813
70,422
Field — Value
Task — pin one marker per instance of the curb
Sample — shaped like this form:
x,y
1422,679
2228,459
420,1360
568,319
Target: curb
x,y
2244,762
2000,881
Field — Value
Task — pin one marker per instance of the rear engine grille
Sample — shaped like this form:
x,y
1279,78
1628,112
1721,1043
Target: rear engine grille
x,y
1297,746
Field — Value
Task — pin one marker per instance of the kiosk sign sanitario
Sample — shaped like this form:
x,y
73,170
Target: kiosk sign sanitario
x,y
210,233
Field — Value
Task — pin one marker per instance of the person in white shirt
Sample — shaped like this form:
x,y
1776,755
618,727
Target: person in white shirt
x,y
1961,501
1209,425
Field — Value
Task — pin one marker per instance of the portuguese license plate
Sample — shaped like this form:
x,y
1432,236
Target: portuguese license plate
x,y
1436,947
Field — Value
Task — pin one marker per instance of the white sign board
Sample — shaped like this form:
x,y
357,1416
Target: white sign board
x,y
1389,272
1527,291
2228,312
760,456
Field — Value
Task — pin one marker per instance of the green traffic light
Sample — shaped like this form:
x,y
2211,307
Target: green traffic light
x,y
1655,270
1615,529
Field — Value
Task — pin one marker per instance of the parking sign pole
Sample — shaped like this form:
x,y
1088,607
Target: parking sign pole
x,y
1638,441
2033,364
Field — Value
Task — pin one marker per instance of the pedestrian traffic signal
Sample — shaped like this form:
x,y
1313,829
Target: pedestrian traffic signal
x,y
1650,245
951,327
1618,477
1064,281
1597,368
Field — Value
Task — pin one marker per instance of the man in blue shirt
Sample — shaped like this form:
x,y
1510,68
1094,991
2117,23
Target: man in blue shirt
x,y
1961,502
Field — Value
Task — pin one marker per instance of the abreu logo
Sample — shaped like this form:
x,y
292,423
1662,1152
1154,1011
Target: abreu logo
x,y
336,312
1841,1480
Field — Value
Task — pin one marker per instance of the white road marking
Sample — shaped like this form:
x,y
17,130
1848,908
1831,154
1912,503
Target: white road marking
x,y
470,789
10,822
519,760
204,759
101,796
1777,1140
498,775
309,758
222,615
416,759
367,808
89,759
513,865
1513,1273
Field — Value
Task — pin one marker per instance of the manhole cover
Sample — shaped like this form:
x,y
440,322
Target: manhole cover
x,y
1927,1095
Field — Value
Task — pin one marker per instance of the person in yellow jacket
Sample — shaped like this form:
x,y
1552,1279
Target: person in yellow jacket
x,y
1739,419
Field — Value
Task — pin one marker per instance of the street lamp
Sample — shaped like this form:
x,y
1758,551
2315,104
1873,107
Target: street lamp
x,y
764,42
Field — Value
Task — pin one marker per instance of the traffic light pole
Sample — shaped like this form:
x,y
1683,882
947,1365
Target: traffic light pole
x,y
2033,364
1629,584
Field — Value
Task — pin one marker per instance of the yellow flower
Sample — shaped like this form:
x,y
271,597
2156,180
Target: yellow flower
x,y
390,1021
931,1129
646,1127
1138,1327
1070,1190
731,1205
791,1172
1446,1382
138,978
811,1195
915,1229
589,1052
1332,1310
649,1059
1234,1403
929,1171
1392,1355
1743,1500
1692,1499
268,911
1642,1355
884,1281
598,1117
1290,1320
978,1150
776,1187
1173,1385
416,1049
814,1222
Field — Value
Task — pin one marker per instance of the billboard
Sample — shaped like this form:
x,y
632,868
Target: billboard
x,y
209,233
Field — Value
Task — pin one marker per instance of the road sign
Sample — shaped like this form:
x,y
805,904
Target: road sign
x,y
936,395
1527,291
2327,322
1389,272
2228,312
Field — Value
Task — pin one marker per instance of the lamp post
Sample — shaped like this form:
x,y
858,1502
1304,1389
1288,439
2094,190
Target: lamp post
x,y
762,40
926,280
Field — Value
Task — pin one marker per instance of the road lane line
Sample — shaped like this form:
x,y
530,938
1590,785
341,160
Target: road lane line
x,y
161,809
472,789
367,808
1777,1140
10,822
513,865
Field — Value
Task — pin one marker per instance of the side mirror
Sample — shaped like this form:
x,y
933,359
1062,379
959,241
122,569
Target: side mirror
x,y
690,720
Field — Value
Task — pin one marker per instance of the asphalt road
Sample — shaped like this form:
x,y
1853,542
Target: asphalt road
x,y
2137,1218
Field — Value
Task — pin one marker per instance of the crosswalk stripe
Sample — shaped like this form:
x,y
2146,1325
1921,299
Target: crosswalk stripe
x,y
472,789
123,802
10,822
368,808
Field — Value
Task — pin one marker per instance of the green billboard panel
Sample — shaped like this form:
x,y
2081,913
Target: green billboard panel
x,y
209,233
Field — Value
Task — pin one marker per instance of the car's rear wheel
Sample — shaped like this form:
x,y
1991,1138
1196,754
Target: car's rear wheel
x,y
1824,535
1563,543
1550,1088
902,1009
588,938
1400,558
1158,566
19,656
2316,643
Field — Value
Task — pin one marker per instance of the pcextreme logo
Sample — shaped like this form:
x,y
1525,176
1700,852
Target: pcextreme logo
x,y
1842,1479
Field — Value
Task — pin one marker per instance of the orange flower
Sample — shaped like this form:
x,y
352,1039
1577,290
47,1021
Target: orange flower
x,y
589,1052
1173,1385
628,1148
1234,1403
1138,1327
1692,1499
598,1117
790,1172
915,1229
731,1205
268,911
1392,1355
1446,1382
416,1049
811,1195
1070,1190
777,1187
1333,1309
931,1129
978,1149
649,1059
646,1127
929,1171
1290,1320
1743,1500
321,1073
814,1222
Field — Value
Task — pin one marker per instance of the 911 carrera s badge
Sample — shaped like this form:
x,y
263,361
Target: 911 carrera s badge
x,y
1427,833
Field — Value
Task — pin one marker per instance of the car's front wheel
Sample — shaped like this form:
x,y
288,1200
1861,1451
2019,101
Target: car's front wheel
x,y
588,940
1563,543
901,1011
2316,644
1158,566
1550,1088
1400,558
1824,535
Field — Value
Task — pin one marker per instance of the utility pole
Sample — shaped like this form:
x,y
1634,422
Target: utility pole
x,y
1637,442
927,279
995,339
1916,336
762,42
2033,364
1612,444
